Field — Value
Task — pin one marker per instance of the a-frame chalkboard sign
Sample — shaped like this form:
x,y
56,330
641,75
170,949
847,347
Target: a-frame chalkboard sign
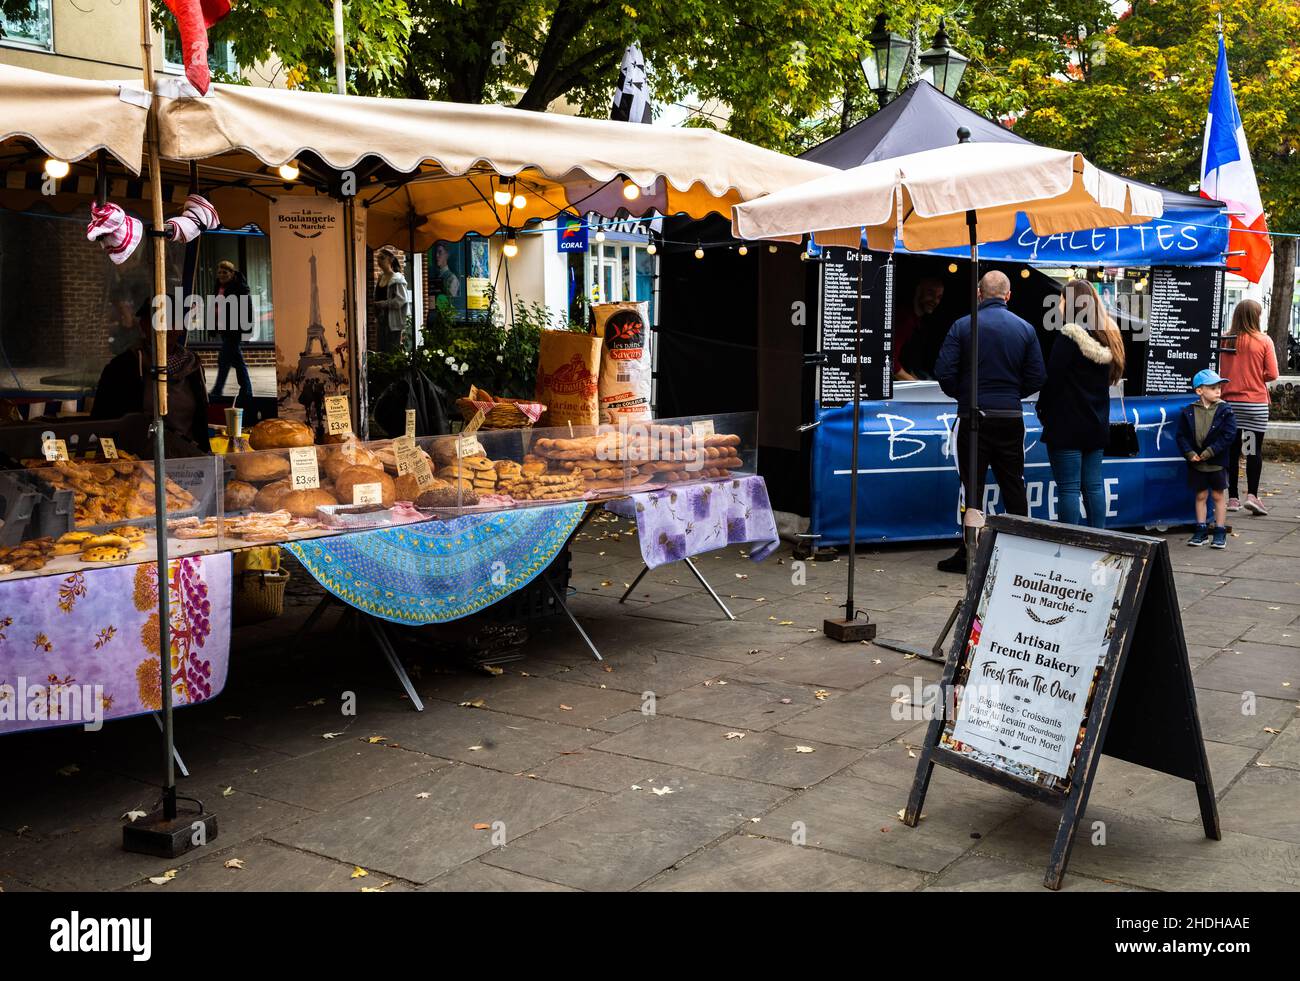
x,y
1069,645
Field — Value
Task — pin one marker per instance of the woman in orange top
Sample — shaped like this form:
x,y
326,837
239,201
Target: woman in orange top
x,y
1251,365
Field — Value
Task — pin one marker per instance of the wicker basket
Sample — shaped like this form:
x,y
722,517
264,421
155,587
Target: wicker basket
x,y
258,596
504,414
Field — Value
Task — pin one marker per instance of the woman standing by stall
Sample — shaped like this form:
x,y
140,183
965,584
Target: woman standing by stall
x,y
1251,364
391,299
1074,406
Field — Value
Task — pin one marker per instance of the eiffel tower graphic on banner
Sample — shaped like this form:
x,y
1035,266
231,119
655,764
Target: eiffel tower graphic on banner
x,y
315,332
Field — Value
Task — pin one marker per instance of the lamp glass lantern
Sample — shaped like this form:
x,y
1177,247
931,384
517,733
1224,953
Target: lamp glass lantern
x,y
883,63
947,65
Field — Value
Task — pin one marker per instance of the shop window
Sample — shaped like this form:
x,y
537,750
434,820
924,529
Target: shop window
x,y
459,281
221,54
251,254
619,272
33,28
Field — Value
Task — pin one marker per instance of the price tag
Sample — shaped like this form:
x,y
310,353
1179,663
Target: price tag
x,y
108,447
304,471
472,426
368,493
702,427
55,449
410,423
411,460
338,419
467,446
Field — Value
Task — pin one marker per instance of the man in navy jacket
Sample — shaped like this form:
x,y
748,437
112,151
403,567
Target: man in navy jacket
x,y
1010,369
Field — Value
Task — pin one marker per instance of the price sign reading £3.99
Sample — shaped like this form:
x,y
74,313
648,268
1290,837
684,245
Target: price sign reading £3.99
x,y
304,471
338,418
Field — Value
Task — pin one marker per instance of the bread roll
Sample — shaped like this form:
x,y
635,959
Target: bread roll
x,y
406,487
352,476
239,495
276,433
259,468
303,503
268,498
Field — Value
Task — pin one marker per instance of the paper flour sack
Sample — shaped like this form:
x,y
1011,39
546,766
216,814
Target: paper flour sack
x,y
625,361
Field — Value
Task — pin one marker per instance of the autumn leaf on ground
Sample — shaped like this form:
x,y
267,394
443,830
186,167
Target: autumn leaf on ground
x,y
482,827
422,795
330,735
228,792
162,880
734,735
565,708
476,703
821,694
69,770
133,816
785,701
475,749
785,623
378,888
876,660
235,863
1271,730
358,872
804,749
376,739
316,701
660,791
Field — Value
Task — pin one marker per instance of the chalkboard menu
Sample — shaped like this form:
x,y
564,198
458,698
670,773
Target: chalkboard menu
x,y
837,322
1183,320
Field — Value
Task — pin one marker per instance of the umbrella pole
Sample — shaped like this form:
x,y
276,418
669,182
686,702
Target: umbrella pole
x,y
972,513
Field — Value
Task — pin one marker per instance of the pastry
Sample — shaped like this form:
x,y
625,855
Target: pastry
x,y
66,549
104,553
275,433
130,532
74,537
239,495
105,541
351,477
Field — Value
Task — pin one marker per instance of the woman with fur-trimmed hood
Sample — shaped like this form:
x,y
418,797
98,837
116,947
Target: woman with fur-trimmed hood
x,y
1074,406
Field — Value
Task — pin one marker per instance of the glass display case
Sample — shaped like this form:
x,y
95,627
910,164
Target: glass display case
x,y
65,516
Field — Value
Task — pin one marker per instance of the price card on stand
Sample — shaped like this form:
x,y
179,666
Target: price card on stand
x,y
410,423
304,471
473,425
55,449
108,447
368,493
338,418
411,460
702,427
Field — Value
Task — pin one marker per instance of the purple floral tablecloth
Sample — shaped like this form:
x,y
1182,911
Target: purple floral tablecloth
x,y
677,522
83,648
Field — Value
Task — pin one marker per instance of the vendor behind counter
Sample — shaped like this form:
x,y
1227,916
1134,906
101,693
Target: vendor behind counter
x,y
126,386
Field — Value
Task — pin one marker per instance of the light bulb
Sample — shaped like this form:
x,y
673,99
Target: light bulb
x,y
289,171
743,250
600,235
631,191
952,267
699,251
520,202
1101,274
651,249
772,249
56,168
511,248
1024,273
502,194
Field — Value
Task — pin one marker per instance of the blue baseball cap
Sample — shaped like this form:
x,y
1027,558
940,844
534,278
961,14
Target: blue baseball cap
x,y
1208,376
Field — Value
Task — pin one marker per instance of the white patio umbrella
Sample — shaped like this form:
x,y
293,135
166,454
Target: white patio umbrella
x,y
955,195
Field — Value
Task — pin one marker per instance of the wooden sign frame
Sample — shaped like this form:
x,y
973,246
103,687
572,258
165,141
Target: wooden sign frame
x,y
1143,709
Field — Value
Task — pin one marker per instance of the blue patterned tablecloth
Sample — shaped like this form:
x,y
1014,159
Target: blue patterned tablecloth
x,y
437,571
677,522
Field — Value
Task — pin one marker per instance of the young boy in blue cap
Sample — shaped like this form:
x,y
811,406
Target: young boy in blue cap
x,y
1206,431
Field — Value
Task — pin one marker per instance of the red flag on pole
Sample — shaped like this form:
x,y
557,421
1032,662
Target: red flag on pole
x,y
194,18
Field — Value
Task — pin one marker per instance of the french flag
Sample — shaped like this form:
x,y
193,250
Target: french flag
x,y
1228,176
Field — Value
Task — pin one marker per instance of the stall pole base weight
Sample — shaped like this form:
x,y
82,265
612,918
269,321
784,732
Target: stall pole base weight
x,y
169,837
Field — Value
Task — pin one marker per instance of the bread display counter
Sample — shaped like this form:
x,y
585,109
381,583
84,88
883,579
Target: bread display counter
x,y
64,516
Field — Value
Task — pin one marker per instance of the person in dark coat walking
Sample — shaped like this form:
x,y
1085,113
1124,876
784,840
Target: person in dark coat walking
x,y
1074,406
1010,368
233,321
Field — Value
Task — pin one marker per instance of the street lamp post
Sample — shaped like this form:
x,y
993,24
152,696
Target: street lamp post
x,y
946,63
883,64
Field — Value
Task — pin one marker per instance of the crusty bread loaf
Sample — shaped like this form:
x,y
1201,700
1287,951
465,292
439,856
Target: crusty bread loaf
x,y
239,495
272,434
351,477
259,468
268,498
303,503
